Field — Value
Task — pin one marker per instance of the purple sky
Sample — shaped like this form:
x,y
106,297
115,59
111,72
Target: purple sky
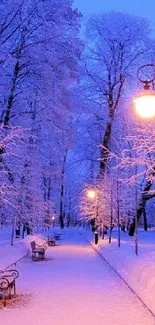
x,y
137,7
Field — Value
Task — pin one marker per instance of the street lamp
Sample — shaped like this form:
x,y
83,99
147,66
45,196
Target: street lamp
x,y
144,102
53,220
92,194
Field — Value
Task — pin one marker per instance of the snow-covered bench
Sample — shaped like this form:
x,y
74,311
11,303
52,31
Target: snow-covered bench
x,y
57,235
38,252
51,241
8,284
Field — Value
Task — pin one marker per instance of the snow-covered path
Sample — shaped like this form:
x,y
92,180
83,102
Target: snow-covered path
x,y
74,287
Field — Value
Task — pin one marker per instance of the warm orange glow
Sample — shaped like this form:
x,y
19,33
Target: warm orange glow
x,y
145,104
91,194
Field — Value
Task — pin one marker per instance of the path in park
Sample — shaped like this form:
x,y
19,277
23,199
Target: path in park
x,y
74,286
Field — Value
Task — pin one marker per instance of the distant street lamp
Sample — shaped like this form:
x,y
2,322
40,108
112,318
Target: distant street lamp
x,y
92,195
53,220
144,102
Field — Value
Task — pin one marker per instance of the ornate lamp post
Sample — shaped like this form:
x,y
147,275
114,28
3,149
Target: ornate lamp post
x,y
144,102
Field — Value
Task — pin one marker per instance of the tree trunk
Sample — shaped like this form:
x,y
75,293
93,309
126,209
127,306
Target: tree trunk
x,y
61,209
13,230
112,106
11,95
139,212
61,214
68,220
104,149
145,220
62,192
145,196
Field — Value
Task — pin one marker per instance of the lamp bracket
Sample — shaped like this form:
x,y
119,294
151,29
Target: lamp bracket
x,y
149,80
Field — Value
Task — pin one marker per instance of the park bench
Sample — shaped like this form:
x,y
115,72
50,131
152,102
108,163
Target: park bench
x,y
38,252
57,235
8,284
51,241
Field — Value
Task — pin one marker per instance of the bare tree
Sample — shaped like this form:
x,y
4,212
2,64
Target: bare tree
x,y
116,42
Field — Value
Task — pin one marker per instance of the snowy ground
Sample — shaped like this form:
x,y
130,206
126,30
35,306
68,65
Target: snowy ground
x,y
10,254
138,271
72,286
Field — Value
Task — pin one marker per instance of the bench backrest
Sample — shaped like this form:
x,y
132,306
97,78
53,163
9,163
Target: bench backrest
x,y
33,245
57,233
12,274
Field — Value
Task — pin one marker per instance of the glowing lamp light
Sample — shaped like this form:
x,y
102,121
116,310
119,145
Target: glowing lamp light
x,y
145,104
91,194
53,218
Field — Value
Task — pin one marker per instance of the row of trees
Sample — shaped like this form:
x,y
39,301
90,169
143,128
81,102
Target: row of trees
x,y
40,53
117,44
65,113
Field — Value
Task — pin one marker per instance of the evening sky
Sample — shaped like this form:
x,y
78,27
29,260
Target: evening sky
x,y
143,8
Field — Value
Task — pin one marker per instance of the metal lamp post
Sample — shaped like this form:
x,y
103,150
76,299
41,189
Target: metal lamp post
x,y
144,103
